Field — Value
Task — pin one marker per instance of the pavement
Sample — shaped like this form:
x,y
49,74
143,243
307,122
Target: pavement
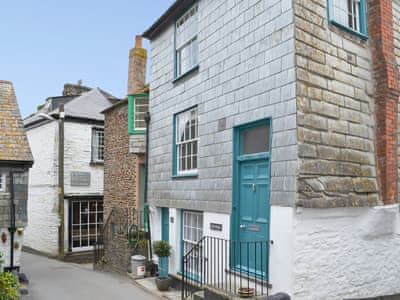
x,y
50,279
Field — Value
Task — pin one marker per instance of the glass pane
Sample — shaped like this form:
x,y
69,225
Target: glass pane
x,y
84,207
84,219
255,140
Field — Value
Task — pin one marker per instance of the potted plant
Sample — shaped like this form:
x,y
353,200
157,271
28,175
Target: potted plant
x,y
163,250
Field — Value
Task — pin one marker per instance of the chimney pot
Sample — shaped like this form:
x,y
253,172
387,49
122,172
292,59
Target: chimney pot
x,y
138,41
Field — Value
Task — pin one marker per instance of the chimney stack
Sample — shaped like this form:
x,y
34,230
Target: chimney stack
x,y
137,67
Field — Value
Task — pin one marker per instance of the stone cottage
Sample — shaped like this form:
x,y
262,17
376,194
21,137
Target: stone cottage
x,y
124,166
276,122
15,161
66,187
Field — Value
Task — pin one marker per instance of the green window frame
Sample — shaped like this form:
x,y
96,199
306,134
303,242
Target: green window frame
x,y
185,143
186,48
350,15
136,110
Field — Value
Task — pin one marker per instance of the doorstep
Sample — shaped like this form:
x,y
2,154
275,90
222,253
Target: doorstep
x,y
149,284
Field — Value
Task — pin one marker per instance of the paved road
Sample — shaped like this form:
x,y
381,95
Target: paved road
x,y
54,280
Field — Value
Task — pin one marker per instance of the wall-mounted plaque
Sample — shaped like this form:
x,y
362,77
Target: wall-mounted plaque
x,y
215,227
80,178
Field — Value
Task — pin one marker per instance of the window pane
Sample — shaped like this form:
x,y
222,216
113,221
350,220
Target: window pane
x,y
97,144
141,107
255,140
187,131
186,41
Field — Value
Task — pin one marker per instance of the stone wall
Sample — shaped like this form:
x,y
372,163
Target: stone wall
x,y
246,73
335,112
121,183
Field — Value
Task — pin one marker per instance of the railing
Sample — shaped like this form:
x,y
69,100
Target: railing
x,y
235,268
121,222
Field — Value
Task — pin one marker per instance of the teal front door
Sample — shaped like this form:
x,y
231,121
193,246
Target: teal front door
x,y
163,261
251,207
253,216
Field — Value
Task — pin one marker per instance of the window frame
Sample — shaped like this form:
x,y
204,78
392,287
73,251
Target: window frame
x,y
182,235
93,160
363,22
98,212
189,41
175,159
3,182
131,113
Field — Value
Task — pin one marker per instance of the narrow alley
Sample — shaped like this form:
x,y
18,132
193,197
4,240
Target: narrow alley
x,y
51,279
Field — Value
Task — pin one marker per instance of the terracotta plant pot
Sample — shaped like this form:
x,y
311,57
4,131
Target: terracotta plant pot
x,y
163,283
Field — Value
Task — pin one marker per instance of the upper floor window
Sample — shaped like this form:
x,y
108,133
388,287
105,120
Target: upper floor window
x,y
186,142
186,42
97,144
2,182
350,14
138,106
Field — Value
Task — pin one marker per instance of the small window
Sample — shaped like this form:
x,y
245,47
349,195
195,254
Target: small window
x,y
186,142
350,14
2,182
138,106
255,139
97,144
192,229
186,42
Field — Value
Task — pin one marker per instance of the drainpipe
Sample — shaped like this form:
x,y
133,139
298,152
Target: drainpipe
x,y
61,181
146,204
12,227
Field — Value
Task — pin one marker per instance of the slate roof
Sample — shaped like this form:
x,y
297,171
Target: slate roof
x,y
177,9
14,144
88,106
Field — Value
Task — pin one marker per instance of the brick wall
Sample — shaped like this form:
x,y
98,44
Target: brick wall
x,y
387,93
335,112
396,41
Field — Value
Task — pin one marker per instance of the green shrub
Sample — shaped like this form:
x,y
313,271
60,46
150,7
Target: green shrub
x,y
161,248
9,286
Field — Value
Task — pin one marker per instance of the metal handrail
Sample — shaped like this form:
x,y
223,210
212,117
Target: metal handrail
x,y
236,268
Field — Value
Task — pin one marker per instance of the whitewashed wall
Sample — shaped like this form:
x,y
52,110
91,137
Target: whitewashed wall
x,y
42,230
78,154
43,220
346,253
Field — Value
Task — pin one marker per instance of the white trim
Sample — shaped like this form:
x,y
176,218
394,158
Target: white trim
x,y
184,123
2,182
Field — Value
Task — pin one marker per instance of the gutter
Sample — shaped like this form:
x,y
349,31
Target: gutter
x,y
61,181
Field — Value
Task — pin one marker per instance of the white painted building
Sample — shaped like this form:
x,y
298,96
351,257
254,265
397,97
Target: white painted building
x,y
82,152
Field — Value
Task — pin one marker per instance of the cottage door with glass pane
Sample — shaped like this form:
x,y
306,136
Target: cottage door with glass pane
x,y
252,208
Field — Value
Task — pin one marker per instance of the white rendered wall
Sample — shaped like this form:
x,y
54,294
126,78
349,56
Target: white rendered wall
x,y
43,220
281,251
346,253
5,248
78,155
42,230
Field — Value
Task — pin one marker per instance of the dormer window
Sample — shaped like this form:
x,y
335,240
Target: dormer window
x,y
349,14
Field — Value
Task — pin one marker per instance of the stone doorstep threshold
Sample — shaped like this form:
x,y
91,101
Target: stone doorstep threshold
x,y
248,277
148,284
